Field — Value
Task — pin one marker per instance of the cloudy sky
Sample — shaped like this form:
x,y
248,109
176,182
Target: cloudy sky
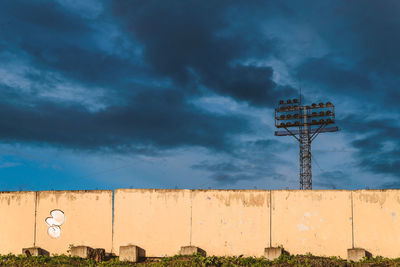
x,y
181,94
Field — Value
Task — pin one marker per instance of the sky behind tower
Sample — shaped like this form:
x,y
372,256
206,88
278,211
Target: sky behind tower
x,y
181,94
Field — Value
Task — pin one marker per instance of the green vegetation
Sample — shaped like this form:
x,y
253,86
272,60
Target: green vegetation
x,y
197,260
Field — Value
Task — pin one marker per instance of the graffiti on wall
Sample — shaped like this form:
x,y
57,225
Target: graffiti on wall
x,y
54,222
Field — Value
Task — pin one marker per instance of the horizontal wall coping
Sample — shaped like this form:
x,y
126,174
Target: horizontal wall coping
x,y
57,191
250,190
198,190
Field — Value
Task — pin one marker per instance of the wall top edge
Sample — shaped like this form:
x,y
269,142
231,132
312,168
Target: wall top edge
x,y
59,191
198,190
16,192
188,190
249,190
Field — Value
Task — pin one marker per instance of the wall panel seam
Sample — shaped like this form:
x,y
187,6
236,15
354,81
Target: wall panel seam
x,y
270,218
352,221
34,226
191,216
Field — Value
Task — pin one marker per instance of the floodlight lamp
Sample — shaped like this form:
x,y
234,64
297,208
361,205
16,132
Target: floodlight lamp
x,y
310,120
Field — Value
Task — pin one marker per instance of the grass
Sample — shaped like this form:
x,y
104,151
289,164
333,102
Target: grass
x,y
197,260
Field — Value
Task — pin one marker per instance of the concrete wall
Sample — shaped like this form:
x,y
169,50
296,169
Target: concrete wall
x,y
156,220
231,222
17,221
88,219
315,221
222,222
377,221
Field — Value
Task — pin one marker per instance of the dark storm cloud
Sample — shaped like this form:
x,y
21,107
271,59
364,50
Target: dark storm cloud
x,y
337,77
39,15
217,167
373,28
378,148
361,41
366,33
192,42
251,161
85,65
152,118
200,47
55,39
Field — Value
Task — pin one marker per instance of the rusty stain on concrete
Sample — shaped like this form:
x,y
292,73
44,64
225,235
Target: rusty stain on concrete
x,y
72,195
14,197
317,196
373,197
164,194
227,197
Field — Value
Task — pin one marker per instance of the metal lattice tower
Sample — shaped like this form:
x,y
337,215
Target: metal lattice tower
x,y
309,121
305,151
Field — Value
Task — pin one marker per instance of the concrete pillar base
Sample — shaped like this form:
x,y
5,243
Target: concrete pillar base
x,y
190,250
35,251
131,253
357,254
82,252
272,253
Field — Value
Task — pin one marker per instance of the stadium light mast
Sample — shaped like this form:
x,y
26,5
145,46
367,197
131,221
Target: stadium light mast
x,y
304,123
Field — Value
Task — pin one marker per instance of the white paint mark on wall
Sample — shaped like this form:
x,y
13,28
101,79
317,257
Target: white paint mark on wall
x,y
302,227
54,222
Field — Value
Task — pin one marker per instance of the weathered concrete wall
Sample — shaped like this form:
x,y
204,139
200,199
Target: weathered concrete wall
x,y
317,221
231,222
17,221
377,221
88,220
156,220
222,222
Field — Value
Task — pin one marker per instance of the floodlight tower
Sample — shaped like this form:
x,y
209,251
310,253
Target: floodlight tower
x,y
309,121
